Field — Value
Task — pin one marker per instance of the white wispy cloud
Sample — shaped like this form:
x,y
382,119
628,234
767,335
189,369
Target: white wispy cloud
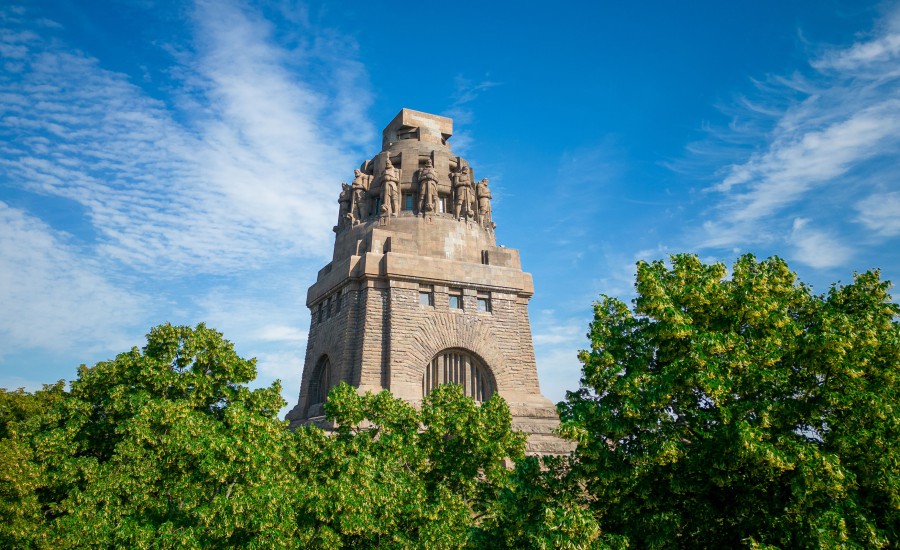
x,y
880,212
558,335
249,174
815,247
558,371
553,333
254,311
831,141
228,170
52,296
460,110
465,92
882,48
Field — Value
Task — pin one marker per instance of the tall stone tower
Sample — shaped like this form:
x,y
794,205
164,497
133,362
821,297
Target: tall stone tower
x,y
418,293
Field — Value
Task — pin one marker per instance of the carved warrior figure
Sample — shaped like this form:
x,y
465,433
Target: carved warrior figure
x,y
465,198
472,200
427,189
390,184
345,217
358,209
483,193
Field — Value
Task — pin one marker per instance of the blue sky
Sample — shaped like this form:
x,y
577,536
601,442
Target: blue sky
x,y
179,161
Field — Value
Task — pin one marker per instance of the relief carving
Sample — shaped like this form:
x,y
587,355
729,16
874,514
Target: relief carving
x,y
358,201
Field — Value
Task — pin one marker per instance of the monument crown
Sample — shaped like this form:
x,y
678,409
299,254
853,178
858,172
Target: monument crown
x,y
416,125
415,174
418,293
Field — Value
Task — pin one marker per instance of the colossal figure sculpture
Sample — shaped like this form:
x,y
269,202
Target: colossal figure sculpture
x,y
359,207
465,198
428,193
390,182
484,203
408,303
344,200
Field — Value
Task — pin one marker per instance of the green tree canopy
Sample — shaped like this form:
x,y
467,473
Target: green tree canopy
x,y
164,447
395,476
722,411
743,410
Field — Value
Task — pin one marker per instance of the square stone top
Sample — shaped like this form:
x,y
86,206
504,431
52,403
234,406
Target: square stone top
x,y
419,126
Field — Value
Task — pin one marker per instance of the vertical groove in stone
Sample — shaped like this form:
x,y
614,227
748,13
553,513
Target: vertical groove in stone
x,y
457,367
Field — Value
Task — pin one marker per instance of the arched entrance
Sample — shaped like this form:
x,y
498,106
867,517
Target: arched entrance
x,y
459,366
319,386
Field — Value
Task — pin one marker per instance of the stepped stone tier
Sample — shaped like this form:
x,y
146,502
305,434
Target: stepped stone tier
x,y
418,293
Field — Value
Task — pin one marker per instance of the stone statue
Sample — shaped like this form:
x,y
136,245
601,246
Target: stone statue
x,y
465,198
428,194
359,208
483,194
390,188
345,217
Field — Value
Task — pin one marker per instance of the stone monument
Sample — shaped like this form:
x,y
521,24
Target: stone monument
x,y
418,293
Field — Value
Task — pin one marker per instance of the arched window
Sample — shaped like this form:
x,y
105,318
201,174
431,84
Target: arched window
x,y
320,384
458,366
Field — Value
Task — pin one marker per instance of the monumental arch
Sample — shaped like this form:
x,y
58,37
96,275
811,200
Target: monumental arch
x,y
418,293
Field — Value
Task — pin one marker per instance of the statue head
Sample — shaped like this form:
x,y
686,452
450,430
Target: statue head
x,y
344,186
357,173
465,168
429,164
485,182
387,163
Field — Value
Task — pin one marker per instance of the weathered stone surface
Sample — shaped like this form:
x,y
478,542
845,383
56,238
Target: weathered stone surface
x,y
406,288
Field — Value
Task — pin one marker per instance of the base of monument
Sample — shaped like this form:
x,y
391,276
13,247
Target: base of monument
x,y
540,424
542,441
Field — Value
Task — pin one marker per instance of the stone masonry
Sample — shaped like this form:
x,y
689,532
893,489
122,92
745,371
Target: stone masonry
x,y
418,292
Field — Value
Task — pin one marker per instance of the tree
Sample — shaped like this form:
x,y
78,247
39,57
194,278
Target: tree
x,y
164,447
396,476
18,405
450,474
742,410
543,505
20,477
167,447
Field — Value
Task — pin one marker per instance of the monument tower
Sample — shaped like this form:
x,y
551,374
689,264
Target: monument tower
x,y
418,293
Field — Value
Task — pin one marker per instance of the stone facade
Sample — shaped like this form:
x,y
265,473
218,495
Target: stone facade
x,y
418,292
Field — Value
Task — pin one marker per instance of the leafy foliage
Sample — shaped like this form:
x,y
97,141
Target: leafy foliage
x,y
18,405
166,447
720,412
161,448
20,477
742,411
395,476
543,506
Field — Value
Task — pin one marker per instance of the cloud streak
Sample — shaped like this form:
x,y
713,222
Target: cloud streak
x,y
228,172
250,176
881,213
51,296
833,141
